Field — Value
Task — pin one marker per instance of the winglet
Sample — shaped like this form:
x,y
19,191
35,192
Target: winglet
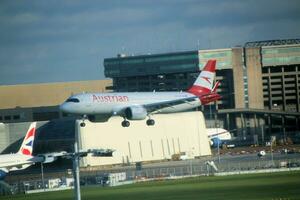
x,y
27,144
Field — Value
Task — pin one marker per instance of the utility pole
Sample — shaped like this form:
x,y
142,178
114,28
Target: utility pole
x,y
272,151
76,158
42,172
219,151
76,169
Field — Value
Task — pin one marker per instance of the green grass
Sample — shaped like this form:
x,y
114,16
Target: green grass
x,y
274,186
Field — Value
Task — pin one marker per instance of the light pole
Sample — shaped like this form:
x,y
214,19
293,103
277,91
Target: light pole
x,y
78,154
272,152
219,150
191,161
217,125
42,172
76,169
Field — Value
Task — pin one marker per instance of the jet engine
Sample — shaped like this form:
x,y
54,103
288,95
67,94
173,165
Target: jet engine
x,y
214,142
135,113
3,173
47,158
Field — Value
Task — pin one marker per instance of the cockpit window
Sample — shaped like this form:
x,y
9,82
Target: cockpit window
x,y
75,100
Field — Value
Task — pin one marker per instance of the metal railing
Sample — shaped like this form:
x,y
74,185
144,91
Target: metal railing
x,y
188,169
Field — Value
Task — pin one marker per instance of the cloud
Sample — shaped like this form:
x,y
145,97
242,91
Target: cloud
x,y
45,41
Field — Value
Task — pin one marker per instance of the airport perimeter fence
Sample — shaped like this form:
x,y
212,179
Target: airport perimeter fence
x,y
205,169
131,174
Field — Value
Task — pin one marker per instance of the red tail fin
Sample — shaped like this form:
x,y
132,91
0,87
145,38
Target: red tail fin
x,y
203,86
204,83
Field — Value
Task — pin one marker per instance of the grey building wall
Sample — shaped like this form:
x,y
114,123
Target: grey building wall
x,y
4,137
10,134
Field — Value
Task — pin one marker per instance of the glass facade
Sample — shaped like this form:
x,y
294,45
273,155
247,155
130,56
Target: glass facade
x,y
223,57
151,64
280,55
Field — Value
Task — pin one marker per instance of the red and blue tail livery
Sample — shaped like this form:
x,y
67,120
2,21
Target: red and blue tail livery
x,y
23,158
27,145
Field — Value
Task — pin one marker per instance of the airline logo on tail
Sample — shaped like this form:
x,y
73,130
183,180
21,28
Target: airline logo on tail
x,y
207,79
203,86
27,145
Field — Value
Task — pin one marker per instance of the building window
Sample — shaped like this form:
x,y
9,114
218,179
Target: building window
x,y
7,117
43,116
16,117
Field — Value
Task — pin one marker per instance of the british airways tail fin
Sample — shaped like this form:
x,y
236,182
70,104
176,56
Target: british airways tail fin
x,y
203,86
27,144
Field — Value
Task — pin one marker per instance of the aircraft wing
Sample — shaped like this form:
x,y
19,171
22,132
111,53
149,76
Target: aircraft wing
x,y
51,157
155,107
93,152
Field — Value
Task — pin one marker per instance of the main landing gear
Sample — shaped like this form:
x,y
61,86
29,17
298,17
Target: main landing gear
x,y
82,124
149,122
125,123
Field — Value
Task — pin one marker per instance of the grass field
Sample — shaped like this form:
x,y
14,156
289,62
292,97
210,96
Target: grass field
x,y
273,186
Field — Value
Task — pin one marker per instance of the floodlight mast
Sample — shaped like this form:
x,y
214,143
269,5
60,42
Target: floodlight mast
x,y
76,157
76,168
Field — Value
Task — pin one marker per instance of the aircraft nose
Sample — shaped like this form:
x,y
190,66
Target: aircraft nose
x,y
64,107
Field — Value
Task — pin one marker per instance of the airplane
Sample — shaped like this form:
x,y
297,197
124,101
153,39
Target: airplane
x,y
140,105
24,158
218,136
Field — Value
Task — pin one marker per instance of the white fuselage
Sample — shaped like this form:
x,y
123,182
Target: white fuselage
x,y
220,133
16,161
114,103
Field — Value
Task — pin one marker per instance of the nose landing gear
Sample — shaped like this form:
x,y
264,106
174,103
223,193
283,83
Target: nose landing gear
x,y
82,124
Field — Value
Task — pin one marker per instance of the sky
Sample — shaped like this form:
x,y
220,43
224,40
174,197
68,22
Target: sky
x,y
45,41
